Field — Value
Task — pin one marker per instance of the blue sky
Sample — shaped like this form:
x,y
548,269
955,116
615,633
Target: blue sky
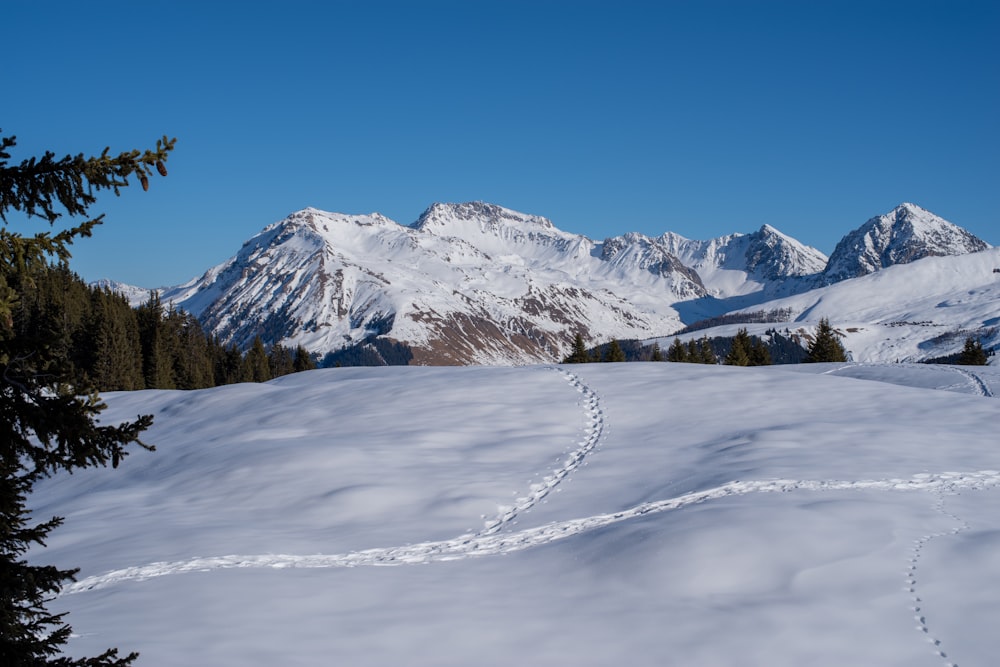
x,y
703,118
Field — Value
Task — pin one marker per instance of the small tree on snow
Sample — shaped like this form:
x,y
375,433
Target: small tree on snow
x,y
972,354
614,353
739,351
677,351
579,354
826,346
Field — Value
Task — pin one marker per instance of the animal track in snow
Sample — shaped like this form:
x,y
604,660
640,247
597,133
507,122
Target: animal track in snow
x,y
911,575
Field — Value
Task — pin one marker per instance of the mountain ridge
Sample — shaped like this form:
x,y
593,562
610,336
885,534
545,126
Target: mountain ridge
x,y
475,283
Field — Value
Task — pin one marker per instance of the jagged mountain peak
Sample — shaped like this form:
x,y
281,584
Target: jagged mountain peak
x,y
767,230
742,263
326,221
904,234
773,255
489,217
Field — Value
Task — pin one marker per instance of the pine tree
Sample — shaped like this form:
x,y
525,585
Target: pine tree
x,y
656,355
676,352
579,354
280,361
303,360
49,416
112,339
972,354
154,339
706,353
759,354
825,346
739,351
229,366
255,362
614,352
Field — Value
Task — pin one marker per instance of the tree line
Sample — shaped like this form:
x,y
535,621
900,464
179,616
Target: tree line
x,y
742,349
112,346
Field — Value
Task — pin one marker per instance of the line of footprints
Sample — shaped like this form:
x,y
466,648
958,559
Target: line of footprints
x,y
911,576
593,432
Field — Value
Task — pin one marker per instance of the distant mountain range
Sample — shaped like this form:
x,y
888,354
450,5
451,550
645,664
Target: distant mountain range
x,y
476,283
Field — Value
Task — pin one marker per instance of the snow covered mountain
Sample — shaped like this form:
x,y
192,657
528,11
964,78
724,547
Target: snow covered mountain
x,y
904,234
482,284
466,283
134,295
907,313
740,264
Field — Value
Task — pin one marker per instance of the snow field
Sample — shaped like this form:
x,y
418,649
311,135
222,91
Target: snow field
x,y
661,513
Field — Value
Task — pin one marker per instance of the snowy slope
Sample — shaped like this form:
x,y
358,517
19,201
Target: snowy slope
x,y
588,515
908,312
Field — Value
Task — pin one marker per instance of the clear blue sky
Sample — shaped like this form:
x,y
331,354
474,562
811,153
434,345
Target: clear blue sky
x,y
703,118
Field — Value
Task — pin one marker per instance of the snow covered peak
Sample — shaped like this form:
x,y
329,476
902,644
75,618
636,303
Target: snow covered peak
x,y
737,264
904,234
772,255
325,222
489,218
497,231
136,296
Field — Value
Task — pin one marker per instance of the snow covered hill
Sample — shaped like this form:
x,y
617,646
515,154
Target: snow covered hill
x,y
577,515
477,283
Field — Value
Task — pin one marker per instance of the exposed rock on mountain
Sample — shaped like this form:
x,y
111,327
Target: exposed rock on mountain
x,y
466,283
904,234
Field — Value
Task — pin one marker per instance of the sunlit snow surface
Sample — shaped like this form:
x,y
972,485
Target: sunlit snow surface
x,y
641,514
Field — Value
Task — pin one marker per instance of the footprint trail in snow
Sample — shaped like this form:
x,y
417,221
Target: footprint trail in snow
x,y
486,544
538,491
911,575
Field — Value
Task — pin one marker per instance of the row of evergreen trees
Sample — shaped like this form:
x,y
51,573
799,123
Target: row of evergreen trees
x,y
112,346
744,350
740,350
612,352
